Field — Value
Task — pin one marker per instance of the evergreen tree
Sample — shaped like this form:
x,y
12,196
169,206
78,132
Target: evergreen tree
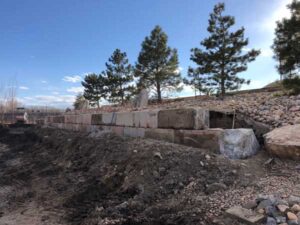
x,y
221,57
119,76
80,102
199,82
94,89
287,43
157,66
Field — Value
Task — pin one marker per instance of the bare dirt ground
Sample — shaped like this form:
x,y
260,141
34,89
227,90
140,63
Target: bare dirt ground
x,y
58,177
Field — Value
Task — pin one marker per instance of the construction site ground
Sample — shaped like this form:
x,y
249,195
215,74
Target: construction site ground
x,y
53,177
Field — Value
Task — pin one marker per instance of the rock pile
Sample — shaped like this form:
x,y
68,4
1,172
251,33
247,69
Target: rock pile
x,y
269,209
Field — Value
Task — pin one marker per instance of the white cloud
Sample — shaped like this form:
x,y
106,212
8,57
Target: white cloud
x,y
281,11
44,82
72,79
75,90
24,88
267,52
55,93
49,100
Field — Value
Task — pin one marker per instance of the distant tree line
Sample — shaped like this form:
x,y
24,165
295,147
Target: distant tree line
x,y
218,61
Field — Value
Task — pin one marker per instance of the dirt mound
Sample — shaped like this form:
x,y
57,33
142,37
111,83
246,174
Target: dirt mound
x,y
69,178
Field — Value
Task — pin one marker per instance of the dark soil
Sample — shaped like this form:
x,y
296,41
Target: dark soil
x,y
60,177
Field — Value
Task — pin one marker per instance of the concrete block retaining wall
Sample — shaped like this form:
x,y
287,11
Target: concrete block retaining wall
x,y
188,126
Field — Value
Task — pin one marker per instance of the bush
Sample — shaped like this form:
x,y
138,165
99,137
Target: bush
x,y
292,84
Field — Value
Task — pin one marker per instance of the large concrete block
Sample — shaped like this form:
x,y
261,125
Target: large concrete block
x,y
96,119
87,119
209,139
58,119
134,132
124,119
160,134
284,142
187,118
117,130
146,119
201,119
71,119
109,118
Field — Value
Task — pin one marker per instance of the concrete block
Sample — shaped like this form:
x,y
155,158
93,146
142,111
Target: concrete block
x,y
146,119
117,130
201,119
245,215
109,118
124,119
134,132
96,119
78,119
87,119
71,119
209,139
160,134
58,119
186,118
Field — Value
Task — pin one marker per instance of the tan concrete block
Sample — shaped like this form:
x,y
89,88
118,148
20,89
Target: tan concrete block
x,y
124,119
146,119
96,119
109,118
160,134
185,118
71,119
134,132
117,130
209,139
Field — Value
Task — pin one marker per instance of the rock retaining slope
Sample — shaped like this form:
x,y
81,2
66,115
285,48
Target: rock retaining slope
x,y
187,126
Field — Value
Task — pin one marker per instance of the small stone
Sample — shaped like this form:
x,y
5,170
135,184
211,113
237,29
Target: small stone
x,y
211,188
207,157
261,211
282,208
271,221
293,200
296,208
280,219
264,203
135,151
250,205
158,155
270,210
293,222
292,216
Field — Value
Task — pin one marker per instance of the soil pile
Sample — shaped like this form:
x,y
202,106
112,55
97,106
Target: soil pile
x,y
60,177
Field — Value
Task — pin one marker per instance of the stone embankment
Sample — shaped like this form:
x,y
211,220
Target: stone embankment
x,y
268,107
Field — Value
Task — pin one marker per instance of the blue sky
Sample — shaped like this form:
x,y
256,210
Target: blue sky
x,y
49,45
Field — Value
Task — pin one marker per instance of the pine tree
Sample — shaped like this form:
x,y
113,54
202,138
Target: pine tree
x,y
119,76
199,82
94,89
221,57
157,66
287,43
80,102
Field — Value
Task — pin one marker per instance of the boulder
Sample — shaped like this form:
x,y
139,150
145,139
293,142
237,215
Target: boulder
x,y
239,143
284,142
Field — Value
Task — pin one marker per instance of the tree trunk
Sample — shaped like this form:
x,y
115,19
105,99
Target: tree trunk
x,y
158,91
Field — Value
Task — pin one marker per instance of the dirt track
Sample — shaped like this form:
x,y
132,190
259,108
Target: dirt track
x,y
58,177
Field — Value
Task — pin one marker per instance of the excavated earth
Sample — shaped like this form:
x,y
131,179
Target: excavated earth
x,y
60,177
